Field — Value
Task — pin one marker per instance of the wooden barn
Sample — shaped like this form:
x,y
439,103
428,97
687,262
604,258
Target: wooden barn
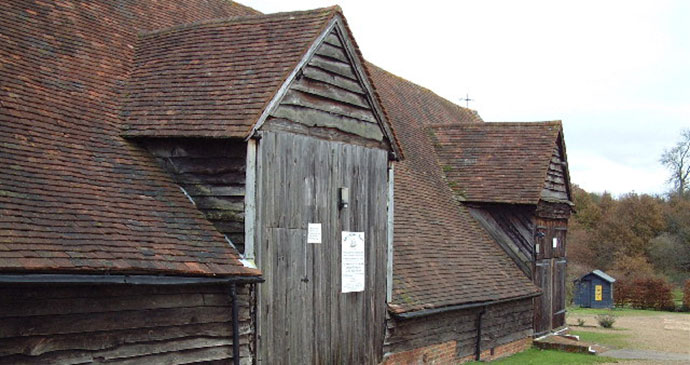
x,y
456,295
197,182
161,164
594,290
514,179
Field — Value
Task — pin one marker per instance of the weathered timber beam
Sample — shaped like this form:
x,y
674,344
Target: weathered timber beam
x,y
122,279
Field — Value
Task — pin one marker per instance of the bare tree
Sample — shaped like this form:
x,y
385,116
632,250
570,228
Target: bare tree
x,y
677,160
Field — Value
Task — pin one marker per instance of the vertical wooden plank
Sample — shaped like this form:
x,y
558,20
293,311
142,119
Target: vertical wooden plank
x,y
338,337
389,233
250,201
558,304
308,320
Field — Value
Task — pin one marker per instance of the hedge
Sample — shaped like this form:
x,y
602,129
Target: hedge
x,y
644,293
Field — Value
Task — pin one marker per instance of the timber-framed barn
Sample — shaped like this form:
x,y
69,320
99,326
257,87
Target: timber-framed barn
x,y
197,182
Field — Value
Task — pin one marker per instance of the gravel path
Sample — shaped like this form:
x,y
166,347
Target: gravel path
x,y
646,355
663,332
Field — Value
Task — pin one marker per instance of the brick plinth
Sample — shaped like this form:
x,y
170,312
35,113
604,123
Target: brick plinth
x,y
444,353
503,350
440,354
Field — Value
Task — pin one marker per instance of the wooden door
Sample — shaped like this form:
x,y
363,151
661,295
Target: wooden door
x,y
585,294
558,292
302,315
543,277
550,274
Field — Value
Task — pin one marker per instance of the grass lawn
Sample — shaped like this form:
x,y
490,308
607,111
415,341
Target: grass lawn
x,y
574,311
615,340
678,297
535,356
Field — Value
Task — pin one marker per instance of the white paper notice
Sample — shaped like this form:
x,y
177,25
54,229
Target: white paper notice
x,y
555,242
353,262
314,233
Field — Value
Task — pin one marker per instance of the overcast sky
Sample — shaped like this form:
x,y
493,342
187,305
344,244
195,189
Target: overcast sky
x,y
617,73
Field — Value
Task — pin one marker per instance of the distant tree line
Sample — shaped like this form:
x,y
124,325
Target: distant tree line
x,y
633,235
636,237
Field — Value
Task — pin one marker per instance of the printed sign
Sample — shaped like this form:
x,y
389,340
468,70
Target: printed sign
x,y
597,293
352,262
314,233
555,242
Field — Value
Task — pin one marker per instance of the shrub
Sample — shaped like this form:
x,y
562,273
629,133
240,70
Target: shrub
x,y
606,320
580,322
644,293
686,296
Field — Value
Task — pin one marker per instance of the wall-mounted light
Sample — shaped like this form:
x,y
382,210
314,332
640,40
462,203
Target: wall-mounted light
x,y
344,195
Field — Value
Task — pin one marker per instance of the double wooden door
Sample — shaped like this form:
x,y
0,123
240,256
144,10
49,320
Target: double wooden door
x,y
550,274
303,316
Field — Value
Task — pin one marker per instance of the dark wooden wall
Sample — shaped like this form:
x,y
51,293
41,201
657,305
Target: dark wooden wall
x,y
212,172
302,316
512,226
501,324
526,232
120,324
550,274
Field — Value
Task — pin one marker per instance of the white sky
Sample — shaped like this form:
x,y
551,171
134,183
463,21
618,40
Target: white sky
x,y
617,73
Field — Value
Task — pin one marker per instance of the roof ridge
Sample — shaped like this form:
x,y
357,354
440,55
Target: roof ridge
x,y
498,124
535,122
240,18
249,8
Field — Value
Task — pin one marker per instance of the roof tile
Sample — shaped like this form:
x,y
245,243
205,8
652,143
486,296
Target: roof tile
x,y
214,78
442,257
497,162
74,195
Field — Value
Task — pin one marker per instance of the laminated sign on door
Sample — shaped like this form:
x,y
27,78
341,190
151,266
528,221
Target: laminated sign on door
x,y
352,262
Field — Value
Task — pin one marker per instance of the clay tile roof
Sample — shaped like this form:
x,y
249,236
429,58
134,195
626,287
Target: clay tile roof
x,y
497,162
214,79
442,257
74,195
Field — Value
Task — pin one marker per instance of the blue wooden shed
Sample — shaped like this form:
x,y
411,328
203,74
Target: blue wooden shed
x,y
594,290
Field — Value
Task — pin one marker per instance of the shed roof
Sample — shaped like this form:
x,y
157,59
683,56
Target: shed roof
x,y
600,274
74,196
442,257
497,162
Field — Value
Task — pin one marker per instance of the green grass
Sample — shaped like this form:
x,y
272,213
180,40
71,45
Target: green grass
x,y
621,312
678,297
535,356
615,340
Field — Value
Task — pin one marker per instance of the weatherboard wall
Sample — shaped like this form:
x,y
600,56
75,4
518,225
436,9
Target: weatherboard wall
x,y
78,324
512,227
212,174
556,183
328,101
501,324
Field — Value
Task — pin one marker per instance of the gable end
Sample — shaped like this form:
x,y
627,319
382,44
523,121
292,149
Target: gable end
x,y
328,96
557,185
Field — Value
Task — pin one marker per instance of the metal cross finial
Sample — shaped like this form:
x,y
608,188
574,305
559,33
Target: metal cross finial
x,y
467,100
